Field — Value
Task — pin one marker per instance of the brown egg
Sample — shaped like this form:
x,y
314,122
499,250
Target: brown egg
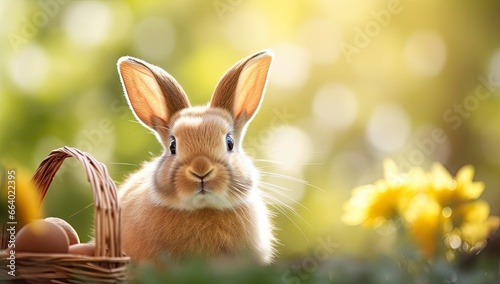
x,y
70,232
41,236
82,249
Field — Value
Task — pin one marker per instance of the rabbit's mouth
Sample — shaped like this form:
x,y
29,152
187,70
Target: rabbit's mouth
x,y
203,189
205,198
202,185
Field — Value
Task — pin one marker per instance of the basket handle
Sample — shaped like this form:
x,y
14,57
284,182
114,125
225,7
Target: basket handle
x,y
106,205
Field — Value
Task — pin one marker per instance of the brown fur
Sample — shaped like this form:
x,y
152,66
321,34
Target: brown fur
x,y
204,232
203,200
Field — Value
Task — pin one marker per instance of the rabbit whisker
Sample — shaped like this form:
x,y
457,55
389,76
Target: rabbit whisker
x,y
277,189
124,164
276,201
282,211
285,164
81,210
273,199
290,178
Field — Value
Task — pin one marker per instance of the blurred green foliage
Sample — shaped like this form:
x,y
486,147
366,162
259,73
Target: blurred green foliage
x,y
353,83
341,269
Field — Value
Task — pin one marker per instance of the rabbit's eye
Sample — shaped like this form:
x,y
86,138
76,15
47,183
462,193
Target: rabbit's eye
x,y
229,142
172,146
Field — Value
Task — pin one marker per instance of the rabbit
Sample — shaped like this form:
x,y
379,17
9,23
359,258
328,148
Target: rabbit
x,y
200,197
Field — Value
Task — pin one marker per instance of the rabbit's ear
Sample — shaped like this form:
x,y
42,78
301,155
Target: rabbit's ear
x,y
153,94
241,89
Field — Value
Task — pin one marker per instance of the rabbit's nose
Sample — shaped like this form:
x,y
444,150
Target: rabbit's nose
x,y
201,177
201,168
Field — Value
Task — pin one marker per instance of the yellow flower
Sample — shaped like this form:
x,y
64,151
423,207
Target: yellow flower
x,y
451,192
19,200
437,209
471,221
375,204
425,223
370,205
459,199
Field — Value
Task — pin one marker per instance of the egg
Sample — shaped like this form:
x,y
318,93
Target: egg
x,y
82,249
41,236
70,231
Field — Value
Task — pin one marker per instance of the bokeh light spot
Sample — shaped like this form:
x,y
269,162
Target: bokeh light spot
x,y
289,149
425,53
256,34
455,241
28,69
87,23
290,146
388,128
335,106
446,212
291,66
321,37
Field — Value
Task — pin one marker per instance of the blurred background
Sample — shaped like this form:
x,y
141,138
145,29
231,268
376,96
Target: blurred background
x,y
353,83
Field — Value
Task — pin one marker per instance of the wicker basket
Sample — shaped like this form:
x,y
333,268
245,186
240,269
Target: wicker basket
x,y
109,264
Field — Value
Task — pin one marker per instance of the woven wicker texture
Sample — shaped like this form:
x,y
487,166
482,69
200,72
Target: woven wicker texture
x,y
109,264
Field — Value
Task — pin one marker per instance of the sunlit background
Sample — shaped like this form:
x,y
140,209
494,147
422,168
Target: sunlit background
x,y
353,83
